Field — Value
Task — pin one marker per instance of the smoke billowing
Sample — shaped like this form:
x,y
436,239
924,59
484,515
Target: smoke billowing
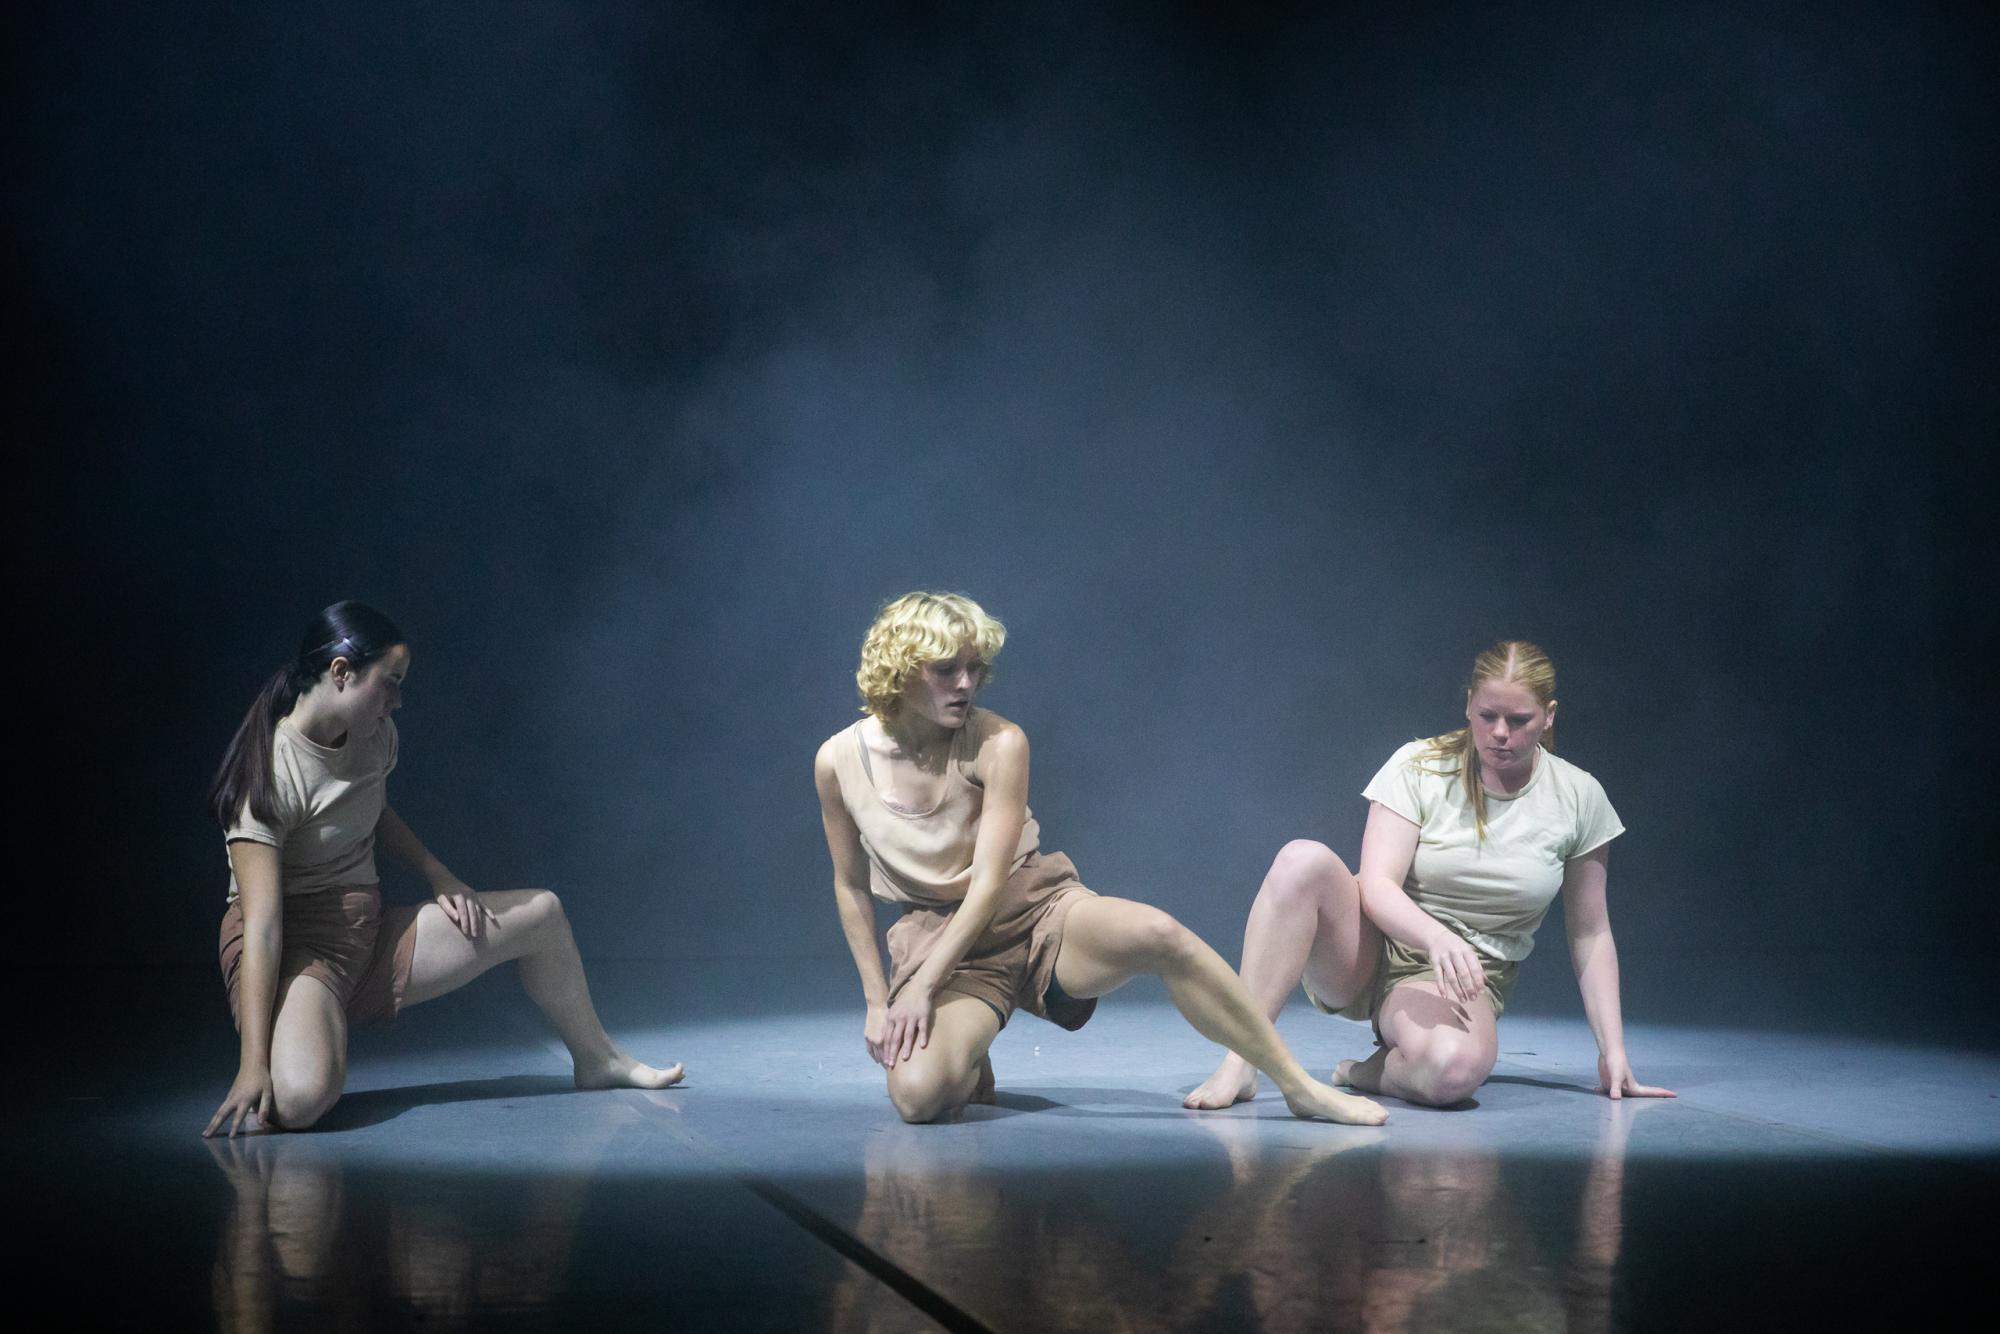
x,y
1255,371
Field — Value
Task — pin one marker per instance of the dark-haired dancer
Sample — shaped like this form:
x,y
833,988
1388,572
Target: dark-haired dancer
x,y
925,803
307,947
1470,835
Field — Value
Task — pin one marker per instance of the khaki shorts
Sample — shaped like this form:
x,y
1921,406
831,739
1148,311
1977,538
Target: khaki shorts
x,y
342,938
1396,964
1012,965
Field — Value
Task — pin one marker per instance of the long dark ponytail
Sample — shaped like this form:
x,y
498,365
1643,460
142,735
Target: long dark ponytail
x,y
351,630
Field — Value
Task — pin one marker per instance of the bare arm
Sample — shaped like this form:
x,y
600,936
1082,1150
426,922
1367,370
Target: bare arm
x,y
851,897
1003,762
1594,956
460,904
262,905
1388,846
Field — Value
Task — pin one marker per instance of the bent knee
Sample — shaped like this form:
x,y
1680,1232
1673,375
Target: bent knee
x,y
1449,1091
1450,1073
1306,868
919,1098
541,909
1159,938
299,1103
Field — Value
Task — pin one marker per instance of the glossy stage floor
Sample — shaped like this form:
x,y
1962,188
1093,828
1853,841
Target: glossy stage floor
x,y
462,1182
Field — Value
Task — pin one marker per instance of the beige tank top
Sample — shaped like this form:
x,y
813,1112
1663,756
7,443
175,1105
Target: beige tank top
x,y
920,857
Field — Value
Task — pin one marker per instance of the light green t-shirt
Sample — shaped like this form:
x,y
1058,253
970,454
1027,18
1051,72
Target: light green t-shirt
x,y
328,802
1494,893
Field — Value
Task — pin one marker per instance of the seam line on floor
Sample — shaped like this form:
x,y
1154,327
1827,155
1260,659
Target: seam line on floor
x,y
823,1229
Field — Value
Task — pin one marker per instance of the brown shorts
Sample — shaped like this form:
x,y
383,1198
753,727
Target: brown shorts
x,y
1014,963
342,937
1396,964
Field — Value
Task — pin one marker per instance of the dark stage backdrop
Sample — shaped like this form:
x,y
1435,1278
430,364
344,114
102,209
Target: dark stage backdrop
x,y
1255,371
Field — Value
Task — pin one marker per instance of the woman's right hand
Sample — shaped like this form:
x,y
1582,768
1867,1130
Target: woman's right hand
x,y
1460,975
251,1093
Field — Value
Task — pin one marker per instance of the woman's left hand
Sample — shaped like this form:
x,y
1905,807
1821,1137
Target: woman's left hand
x,y
463,907
1615,1077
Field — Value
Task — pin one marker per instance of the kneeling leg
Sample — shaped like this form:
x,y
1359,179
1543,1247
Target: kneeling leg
x,y
1434,1050
951,1070
308,1053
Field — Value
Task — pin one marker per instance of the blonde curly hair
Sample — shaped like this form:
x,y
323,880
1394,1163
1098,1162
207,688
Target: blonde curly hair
x,y
917,628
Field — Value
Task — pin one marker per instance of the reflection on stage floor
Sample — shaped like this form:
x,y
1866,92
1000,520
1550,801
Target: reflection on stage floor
x,y
462,1181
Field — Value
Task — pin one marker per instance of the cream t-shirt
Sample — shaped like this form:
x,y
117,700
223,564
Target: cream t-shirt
x,y
1495,893
328,801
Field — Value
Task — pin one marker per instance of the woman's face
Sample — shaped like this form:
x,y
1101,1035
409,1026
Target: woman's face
x,y
369,695
1507,723
942,692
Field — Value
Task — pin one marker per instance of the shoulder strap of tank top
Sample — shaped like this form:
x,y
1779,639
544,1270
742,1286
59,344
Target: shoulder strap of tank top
x,y
952,761
861,748
960,764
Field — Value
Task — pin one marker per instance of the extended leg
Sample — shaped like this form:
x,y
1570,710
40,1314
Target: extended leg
x,y
529,925
1435,1051
1107,942
952,1069
1305,922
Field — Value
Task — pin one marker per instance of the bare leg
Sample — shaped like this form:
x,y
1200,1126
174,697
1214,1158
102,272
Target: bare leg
x,y
529,925
1435,1051
1305,922
1108,942
308,1052
952,1069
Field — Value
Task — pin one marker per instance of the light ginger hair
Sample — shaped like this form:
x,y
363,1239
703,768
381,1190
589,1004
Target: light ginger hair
x,y
1512,660
917,628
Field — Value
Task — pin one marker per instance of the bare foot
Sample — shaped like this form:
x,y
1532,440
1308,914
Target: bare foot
x,y
1314,1099
982,1087
1234,1081
619,1071
1356,1075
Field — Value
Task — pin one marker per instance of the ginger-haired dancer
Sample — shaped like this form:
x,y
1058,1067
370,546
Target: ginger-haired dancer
x,y
307,947
925,803
1470,836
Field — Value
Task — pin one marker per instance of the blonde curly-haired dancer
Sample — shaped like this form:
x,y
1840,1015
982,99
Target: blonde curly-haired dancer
x,y
1470,836
925,802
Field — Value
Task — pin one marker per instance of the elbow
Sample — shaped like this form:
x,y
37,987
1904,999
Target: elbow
x,y
1586,946
1589,935
262,926
265,941
1371,889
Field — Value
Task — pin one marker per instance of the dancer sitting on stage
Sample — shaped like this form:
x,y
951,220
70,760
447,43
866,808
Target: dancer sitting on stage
x,y
925,803
1469,837
307,946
